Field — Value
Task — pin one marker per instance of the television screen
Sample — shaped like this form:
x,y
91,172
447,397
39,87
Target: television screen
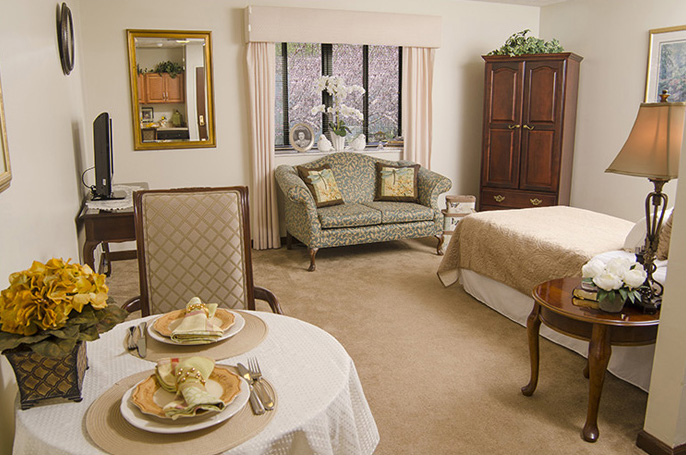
x,y
104,165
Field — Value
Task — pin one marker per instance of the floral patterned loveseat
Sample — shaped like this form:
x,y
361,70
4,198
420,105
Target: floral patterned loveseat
x,y
360,219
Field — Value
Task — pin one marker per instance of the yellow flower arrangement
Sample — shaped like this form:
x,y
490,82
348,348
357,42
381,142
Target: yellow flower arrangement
x,y
52,306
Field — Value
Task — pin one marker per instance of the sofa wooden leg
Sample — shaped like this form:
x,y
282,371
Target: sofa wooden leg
x,y
439,248
289,241
313,253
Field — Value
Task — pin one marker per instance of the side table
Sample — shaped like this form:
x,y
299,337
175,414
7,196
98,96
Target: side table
x,y
553,306
101,226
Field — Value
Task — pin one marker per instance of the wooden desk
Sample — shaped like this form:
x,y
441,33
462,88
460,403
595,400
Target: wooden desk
x,y
104,227
553,306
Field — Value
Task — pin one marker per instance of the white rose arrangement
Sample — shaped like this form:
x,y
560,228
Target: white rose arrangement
x,y
335,86
618,276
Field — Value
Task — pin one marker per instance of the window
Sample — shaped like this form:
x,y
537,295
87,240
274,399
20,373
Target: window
x,y
376,68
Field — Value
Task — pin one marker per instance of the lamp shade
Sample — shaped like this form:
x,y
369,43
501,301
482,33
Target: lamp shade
x,y
654,144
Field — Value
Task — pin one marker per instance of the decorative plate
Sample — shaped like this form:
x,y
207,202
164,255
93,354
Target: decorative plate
x,y
150,397
236,327
156,424
165,324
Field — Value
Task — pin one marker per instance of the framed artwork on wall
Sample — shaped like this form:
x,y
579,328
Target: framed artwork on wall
x,y
5,171
666,64
147,114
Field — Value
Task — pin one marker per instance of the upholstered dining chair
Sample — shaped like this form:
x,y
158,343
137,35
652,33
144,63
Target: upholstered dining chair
x,y
195,242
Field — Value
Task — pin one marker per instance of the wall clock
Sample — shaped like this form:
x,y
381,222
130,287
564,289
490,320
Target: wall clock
x,y
65,38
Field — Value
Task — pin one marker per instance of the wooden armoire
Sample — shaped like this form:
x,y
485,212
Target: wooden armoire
x,y
528,130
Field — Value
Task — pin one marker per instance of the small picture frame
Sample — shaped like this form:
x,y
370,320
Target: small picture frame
x,y
147,114
301,137
666,63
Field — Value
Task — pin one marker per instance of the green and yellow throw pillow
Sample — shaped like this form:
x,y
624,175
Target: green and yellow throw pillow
x,y
322,185
396,183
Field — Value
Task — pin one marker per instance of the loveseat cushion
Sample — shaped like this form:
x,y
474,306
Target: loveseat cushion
x,y
396,183
401,212
322,184
349,214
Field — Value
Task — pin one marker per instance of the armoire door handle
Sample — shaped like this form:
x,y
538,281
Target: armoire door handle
x,y
528,127
512,127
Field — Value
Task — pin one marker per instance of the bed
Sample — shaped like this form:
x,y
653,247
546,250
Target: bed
x,y
499,256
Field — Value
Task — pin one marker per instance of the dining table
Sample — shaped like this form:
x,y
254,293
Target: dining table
x,y
320,404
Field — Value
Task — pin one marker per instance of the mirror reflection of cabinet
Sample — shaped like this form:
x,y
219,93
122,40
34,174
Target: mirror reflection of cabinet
x,y
171,79
162,88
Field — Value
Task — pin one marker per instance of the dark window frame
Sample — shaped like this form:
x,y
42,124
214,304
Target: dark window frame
x,y
327,70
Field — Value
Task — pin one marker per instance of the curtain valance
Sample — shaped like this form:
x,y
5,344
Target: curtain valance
x,y
309,25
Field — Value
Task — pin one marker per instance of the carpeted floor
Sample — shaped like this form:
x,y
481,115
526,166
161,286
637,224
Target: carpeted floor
x,y
442,372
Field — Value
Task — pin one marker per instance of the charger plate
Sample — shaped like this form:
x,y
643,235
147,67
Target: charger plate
x,y
109,430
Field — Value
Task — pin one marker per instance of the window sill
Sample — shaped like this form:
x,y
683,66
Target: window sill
x,y
316,152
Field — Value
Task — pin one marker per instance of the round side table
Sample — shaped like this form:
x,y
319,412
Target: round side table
x,y
553,305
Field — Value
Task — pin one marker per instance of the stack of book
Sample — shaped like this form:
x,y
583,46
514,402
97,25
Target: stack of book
x,y
585,298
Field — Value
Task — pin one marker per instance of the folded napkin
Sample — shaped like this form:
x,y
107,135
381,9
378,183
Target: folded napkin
x,y
197,327
186,377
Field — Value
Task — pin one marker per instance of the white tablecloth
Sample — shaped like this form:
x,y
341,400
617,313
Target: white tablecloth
x,y
321,410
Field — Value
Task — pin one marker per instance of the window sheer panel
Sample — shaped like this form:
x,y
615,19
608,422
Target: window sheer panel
x,y
384,77
279,119
304,68
347,63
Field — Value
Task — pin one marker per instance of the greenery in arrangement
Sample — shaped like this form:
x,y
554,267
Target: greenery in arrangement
x,y
618,277
520,44
172,68
52,306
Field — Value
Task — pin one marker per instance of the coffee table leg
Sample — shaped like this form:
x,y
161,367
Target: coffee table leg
x,y
533,325
599,351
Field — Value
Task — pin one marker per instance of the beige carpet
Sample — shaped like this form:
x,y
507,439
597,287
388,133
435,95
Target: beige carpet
x,y
442,372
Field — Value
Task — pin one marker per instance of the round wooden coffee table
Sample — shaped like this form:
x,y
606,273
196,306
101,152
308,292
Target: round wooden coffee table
x,y
553,306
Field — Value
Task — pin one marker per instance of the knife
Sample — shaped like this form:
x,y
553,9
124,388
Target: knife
x,y
257,406
141,341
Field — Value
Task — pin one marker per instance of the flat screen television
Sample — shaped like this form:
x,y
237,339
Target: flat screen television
x,y
104,165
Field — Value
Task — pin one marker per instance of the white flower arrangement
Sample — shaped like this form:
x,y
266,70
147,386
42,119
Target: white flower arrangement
x,y
335,86
618,276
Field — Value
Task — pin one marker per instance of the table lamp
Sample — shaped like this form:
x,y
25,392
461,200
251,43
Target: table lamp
x,y
652,150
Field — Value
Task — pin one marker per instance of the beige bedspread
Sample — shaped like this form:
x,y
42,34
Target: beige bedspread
x,y
525,247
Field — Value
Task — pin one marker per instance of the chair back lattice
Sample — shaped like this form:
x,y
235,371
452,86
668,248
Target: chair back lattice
x,y
193,242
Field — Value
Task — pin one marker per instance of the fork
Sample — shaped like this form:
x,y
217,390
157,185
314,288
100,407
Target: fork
x,y
130,343
256,375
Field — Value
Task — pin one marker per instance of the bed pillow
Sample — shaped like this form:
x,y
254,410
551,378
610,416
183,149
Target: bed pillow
x,y
396,183
636,238
322,184
665,235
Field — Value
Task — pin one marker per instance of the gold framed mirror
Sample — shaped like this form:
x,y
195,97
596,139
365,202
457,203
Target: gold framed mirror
x,y
172,97
5,171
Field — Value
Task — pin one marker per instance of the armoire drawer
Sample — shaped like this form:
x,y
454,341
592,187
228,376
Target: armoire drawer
x,y
515,199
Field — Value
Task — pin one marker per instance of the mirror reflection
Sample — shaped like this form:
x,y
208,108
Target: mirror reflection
x,y
171,89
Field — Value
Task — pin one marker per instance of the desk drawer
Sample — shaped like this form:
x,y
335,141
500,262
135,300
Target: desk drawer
x,y
514,199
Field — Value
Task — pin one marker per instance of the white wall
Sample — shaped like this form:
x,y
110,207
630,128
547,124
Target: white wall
x,y
469,30
44,116
612,36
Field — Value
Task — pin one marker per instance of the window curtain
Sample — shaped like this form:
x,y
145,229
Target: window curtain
x,y
262,86
417,93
